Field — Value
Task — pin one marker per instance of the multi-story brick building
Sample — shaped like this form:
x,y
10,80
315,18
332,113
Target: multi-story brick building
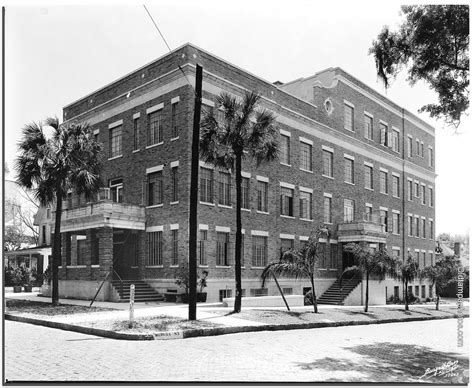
x,y
350,159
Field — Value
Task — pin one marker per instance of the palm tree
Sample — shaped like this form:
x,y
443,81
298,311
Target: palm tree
x,y
371,263
68,159
300,263
407,272
239,131
439,274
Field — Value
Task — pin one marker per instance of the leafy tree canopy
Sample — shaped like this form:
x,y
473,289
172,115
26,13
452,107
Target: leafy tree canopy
x,y
433,44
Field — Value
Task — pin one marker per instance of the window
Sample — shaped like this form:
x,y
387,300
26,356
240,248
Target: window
x,y
410,190
306,162
431,193
423,291
286,244
224,188
395,223
81,250
305,205
136,134
202,247
431,226
327,163
396,292
369,127
430,291
384,219
422,149
383,182
116,190
410,225
286,201
430,157
431,258
384,134
396,186
410,147
327,210
222,249
396,252
417,290
174,121
155,188
155,248
115,142
174,184
285,149
410,290
207,184
348,170
154,131
417,147
396,141
333,263
423,194
259,251
423,259
368,213
348,117
287,290
417,189
95,247
174,242
348,210
423,228
242,262
417,227
43,233
262,196
245,193
369,177
258,292
225,294
48,213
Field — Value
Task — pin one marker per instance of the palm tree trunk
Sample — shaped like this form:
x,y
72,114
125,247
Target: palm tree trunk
x,y
238,236
57,248
313,288
406,295
367,293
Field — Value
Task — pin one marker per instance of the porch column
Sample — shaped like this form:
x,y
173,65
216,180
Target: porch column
x,y
106,250
141,254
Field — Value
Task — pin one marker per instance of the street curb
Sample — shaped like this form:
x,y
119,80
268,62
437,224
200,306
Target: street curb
x,y
190,333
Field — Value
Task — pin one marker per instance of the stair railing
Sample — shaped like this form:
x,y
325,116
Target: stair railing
x,y
354,275
121,282
101,284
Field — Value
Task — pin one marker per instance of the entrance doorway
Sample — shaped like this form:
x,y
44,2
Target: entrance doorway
x,y
125,254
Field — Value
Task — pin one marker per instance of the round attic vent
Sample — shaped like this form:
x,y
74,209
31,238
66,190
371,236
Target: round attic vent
x,y
328,106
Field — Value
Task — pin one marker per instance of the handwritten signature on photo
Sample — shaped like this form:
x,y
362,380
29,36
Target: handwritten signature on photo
x,y
446,369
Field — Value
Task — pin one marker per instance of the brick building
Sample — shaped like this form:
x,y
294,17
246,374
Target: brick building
x,y
350,159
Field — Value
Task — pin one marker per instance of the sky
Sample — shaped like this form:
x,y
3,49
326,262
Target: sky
x,y
58,53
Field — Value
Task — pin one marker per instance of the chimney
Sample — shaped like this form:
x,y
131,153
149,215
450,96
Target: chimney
x,y
457,248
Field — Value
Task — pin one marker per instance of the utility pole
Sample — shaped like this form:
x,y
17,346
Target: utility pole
x,y
193,196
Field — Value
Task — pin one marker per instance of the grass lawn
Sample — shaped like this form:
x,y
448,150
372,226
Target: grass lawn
x,y
340,315
30,307
153,324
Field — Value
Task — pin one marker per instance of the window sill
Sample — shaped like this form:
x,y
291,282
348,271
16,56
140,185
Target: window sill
x,y
154,206
153,266
368,188
76,266
349,183
95,266
327,223
133,266
285,216
174,138
207,203
174,266
224,206
257,267
306,219
223,266
349,129
245,210
261,212
154,145
284,164
135,151
174,203
303,169
327,176
115,157
203,266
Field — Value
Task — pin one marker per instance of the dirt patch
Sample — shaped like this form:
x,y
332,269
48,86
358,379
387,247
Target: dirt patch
x,y
47,309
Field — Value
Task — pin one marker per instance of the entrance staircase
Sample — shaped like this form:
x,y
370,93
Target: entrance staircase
x,y
337,293
143,291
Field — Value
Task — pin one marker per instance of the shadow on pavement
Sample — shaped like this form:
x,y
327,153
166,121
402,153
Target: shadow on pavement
x,y
395,363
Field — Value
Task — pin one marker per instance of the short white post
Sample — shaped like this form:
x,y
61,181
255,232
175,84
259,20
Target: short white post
x,y
132,299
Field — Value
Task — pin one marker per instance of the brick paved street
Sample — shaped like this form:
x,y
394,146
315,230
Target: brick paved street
x,y
397,352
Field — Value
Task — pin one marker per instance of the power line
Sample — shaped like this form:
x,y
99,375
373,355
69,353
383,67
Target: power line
x,y
167,45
